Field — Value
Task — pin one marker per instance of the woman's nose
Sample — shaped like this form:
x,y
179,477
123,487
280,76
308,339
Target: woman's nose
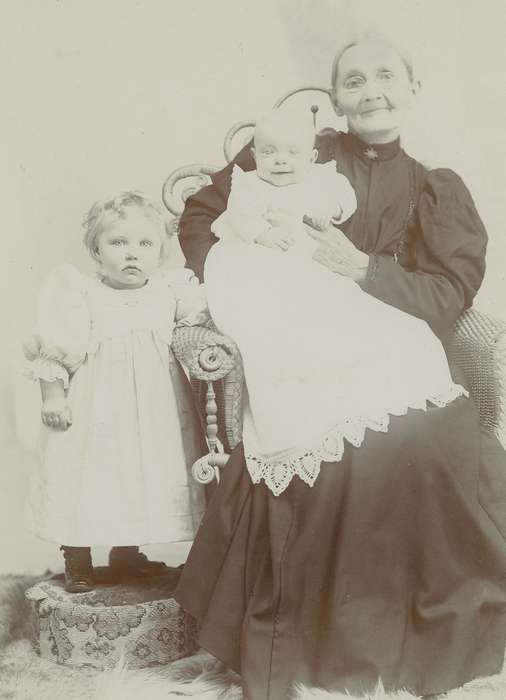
x,y
371,91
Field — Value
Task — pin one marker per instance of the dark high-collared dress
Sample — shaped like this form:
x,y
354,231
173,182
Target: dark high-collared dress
x,y
393,565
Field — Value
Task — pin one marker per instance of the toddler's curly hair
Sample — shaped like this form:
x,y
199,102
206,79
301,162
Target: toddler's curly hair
x,y
104,212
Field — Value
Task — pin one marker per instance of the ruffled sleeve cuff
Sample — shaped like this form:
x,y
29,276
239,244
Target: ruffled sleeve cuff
x,y
48,363
48,370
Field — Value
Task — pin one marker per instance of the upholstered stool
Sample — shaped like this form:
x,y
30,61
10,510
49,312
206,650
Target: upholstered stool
x,y
135,619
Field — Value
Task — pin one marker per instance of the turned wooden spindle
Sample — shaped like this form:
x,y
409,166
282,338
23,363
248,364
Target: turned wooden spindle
x,y
211,418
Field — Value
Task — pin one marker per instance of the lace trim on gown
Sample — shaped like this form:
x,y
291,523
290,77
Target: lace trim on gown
x,y
278,470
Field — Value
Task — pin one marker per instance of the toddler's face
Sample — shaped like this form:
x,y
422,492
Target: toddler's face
x,y
129,251
283,155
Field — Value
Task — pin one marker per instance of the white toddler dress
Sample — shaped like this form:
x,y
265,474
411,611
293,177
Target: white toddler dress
x,y
120,474
323,360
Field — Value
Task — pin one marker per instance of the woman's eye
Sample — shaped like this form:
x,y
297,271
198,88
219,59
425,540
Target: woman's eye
x,y
354,82
386,75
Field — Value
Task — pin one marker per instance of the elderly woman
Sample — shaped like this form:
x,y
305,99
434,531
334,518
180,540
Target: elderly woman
x,y
392,566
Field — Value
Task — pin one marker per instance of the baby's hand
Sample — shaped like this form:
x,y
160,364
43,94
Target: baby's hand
x,y
320,219
280,217
278,237
56,414
320,222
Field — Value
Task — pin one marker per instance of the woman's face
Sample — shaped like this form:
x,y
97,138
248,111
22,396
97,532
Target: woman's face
x,y
373,91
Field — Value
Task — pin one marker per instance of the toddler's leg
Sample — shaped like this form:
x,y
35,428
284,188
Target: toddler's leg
x,y
78,569
129,561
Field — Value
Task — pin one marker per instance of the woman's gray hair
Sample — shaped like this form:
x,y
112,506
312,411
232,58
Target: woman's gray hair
x,y
106,211
371,36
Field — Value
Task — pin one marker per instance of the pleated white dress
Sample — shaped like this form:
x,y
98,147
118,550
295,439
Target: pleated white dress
x,y
120,475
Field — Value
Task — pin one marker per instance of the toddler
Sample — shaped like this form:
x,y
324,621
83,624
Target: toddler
x,y
119,434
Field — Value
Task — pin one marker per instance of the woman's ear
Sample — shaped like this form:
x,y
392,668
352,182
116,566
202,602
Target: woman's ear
x,y
314,155
335,105
416,86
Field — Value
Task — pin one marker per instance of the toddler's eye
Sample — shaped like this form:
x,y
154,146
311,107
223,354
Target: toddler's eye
x,y
354,82
117,241
146,243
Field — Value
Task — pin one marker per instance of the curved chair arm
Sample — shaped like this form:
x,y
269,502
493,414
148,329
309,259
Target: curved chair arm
x,y
210,357
478,347
207,355
183,182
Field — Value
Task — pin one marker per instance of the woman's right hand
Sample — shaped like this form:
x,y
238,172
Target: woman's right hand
x,y
56,413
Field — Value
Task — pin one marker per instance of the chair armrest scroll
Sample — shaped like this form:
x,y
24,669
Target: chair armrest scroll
x,y
209,356
206,354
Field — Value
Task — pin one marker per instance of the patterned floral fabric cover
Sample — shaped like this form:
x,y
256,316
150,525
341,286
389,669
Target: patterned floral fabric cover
x,y
135,619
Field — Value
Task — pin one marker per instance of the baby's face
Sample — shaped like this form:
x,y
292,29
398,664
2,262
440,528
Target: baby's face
x,y
283,155
129,251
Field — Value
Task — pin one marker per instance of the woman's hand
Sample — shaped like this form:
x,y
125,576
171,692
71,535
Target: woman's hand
x,y
337,253
56,413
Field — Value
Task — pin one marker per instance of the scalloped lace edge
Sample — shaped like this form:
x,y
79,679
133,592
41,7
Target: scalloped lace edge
x,y
278,470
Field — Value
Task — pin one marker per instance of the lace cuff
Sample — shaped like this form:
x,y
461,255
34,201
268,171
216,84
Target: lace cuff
x,y
48,370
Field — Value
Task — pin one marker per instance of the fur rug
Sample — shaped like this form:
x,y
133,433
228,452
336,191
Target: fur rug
x,y
25,676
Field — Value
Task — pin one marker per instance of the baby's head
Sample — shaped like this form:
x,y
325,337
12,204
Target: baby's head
x,y
128,237
284,147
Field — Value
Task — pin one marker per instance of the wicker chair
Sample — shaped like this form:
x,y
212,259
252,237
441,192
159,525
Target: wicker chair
x,y
213,361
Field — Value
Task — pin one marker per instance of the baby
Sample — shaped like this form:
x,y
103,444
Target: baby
x,y
268,205
313,342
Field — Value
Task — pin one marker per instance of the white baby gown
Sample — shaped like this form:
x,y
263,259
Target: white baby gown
x,y
120,474
323,360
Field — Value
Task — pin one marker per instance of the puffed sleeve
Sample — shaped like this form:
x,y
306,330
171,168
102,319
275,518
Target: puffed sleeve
x,y
449,255
331,192
244,216
191,303
61,338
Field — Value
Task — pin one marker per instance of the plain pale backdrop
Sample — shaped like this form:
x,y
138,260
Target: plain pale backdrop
x,y
99,96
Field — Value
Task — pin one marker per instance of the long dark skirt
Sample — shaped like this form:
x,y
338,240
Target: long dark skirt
x,y
392,567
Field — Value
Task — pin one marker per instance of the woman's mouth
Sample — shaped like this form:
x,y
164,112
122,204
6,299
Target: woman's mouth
x,y
376,110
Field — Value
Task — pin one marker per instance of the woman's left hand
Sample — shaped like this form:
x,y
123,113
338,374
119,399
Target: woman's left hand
x,y
338,253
